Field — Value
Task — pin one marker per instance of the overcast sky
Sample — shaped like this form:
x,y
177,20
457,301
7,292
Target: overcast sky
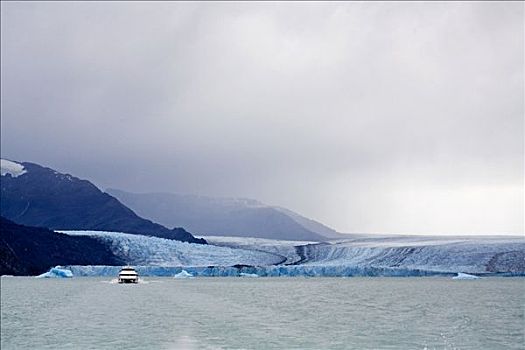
x,y
370,117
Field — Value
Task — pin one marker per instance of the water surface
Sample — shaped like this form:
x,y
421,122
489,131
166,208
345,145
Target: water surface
x,y
263,313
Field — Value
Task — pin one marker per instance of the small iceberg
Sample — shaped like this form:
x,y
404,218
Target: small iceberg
x,y
465,276
183,274
242,274
56,272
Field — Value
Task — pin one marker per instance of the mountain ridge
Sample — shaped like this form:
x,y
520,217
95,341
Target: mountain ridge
x,y
222,216
28,250
43,197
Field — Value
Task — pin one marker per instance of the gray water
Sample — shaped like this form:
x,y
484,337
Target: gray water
x,y
263,313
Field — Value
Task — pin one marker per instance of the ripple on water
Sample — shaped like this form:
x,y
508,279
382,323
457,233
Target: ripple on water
x,y
264,313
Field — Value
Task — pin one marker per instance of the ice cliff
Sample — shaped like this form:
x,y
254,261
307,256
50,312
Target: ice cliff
x,y
362,256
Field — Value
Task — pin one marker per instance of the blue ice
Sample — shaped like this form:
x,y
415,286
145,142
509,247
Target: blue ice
x,y
56,272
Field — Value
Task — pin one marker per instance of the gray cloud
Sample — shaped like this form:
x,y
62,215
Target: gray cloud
x,y
371,117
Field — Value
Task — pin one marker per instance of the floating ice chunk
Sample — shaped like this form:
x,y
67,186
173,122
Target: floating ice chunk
x,y
242,274
11,168
183,274
465,276
56,272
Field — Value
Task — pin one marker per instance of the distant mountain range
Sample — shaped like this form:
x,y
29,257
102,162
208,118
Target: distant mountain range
x,y
38,196
210,216
26,250
35,200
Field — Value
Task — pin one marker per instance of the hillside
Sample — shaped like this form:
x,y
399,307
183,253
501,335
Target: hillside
x,y
224,216
38,196
26,250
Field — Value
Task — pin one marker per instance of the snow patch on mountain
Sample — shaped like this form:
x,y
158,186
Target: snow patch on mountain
x,y
11,168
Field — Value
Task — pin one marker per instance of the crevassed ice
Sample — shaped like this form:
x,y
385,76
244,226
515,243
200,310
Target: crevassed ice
x,y
12,168
154,251
394,256
253,271
260,271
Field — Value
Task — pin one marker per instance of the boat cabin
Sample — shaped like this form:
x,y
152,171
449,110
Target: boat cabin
x,y
128,275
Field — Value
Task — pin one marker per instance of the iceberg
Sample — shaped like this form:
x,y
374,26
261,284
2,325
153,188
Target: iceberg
x,y
56,272
465,276
183,274
243,274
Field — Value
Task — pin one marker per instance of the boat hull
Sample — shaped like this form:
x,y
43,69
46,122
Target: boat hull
x,y
126,280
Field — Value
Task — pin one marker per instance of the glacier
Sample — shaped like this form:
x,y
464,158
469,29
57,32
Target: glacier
x,y
436,254
469,256
364,255
56,272
146,250
284,248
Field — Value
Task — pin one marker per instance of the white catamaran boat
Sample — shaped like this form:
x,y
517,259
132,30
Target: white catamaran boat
x,y
128,275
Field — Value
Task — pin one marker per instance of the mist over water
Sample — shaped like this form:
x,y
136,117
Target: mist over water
x,y
264,313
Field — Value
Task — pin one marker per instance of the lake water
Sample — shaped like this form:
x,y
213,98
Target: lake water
x,y
263,313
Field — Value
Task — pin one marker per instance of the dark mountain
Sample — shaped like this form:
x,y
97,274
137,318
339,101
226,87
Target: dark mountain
x,y
39,196
26,250
224,216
